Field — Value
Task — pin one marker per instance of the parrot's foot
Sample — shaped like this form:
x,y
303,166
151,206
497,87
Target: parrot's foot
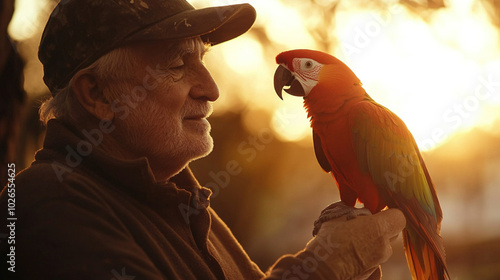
x,y
337,210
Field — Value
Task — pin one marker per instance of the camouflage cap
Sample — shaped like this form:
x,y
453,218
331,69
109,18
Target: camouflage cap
x,y
80,31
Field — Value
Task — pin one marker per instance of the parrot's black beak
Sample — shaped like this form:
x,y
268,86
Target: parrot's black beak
x,y
284,78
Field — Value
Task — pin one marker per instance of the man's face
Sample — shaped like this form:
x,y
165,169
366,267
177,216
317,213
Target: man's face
x,y
163,114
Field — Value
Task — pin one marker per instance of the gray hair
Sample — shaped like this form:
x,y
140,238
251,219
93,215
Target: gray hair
x,y
113,65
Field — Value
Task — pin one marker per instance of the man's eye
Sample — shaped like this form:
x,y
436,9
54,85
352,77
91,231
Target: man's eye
x,y
174,72
176,65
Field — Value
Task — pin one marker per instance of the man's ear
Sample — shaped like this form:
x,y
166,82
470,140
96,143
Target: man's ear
x,y
89,92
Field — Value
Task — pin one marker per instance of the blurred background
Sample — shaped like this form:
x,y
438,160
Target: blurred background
x,y
434,63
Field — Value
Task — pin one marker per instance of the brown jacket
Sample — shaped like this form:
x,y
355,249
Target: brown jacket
x,y
81,214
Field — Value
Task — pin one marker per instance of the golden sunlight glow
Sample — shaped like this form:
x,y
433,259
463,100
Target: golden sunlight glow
x,y
439,72
25,20
286,27
243,55
432,74
290,120
437,75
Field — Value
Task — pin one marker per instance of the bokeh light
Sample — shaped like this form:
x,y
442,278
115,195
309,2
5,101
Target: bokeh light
x,y
23,24
426,71
431,70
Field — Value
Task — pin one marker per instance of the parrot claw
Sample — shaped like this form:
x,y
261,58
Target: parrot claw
x,y
337,210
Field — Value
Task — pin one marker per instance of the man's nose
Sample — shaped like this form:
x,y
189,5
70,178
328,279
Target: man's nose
x,y
204,85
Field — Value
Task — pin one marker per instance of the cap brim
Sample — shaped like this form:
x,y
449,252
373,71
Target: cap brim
x,y
214,25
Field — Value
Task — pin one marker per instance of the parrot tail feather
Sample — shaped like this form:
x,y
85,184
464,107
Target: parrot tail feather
x,y
423,262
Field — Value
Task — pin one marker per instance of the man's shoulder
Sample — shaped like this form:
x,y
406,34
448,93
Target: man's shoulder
x,y
46,181
44,175
38,173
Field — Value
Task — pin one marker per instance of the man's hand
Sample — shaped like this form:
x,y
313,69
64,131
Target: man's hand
x,y
354,248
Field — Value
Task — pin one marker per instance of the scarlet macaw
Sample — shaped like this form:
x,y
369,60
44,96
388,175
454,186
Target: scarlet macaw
x,y
369,150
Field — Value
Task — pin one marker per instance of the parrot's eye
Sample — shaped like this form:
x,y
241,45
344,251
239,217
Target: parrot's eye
x,y
307,68
308,64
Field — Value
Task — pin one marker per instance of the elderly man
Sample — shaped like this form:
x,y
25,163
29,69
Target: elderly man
x,y
110,195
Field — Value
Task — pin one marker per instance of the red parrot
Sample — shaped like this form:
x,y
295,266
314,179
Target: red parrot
x,y
369,150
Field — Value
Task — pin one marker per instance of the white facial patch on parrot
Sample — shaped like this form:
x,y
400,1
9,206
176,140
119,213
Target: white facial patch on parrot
x,y
307,72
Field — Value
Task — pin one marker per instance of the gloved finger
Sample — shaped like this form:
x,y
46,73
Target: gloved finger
x,y
391,222
386,226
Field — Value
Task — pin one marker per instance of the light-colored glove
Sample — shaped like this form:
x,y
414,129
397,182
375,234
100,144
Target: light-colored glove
x,y
354,248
